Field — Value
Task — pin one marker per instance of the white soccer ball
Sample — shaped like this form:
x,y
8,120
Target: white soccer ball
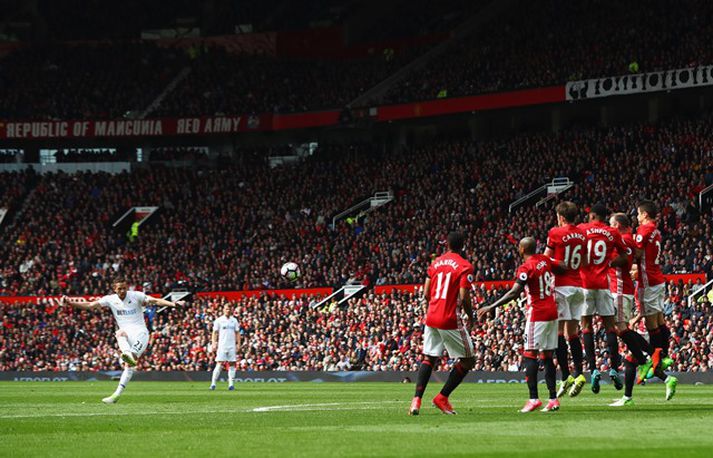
x,y
290,271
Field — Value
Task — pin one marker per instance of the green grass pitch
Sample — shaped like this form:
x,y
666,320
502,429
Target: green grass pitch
x,y
360,419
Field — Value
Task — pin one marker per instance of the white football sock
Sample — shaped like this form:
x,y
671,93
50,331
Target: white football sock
x,y
124,380
216,374
231,375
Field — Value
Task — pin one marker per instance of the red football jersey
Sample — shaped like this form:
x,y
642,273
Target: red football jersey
x,y
536,274
620,281
602,242
448,273
648,239
569,245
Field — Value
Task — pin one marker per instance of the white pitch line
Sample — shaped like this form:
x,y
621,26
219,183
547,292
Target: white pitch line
x,y
327,406
290,407
303,407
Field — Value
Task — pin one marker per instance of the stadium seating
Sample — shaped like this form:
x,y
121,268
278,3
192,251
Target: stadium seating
x,y
530,49
231,229
510,52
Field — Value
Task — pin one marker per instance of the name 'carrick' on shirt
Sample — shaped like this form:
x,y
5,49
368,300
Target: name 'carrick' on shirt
x,y
569,246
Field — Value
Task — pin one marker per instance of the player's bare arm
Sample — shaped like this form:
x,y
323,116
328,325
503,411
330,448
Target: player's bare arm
x,y
426,294
78,302
559,267
214,342
163,302
466,305
620,261
514,293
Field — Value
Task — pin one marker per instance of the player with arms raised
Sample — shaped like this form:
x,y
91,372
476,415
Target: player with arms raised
x,y
132,335
605,249
535,276
566,243
225,339
447,291
652,288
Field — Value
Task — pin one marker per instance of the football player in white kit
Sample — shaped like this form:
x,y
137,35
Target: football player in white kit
x,y
132,335
224,342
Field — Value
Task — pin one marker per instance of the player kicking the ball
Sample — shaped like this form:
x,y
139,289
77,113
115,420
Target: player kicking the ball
x,y
132,336
225,339
535,276
447,290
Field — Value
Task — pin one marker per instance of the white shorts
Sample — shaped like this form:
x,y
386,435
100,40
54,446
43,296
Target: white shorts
x,y
456,341
225,354
624,304
651,299
540,335
570,302
598,302
138,340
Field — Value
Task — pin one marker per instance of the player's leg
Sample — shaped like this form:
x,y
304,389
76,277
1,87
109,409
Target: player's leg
x,y
652,300
530,359
549,342
613,347
629,379
577,308
531,342
231,369
458,345
137,341
124,380
122,339
432,350
219,361
563,314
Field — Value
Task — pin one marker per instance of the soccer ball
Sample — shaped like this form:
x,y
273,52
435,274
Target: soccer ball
x,y
290,271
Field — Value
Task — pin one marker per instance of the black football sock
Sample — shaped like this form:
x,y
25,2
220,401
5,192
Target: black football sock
x,y
665,339
655,338
424,374
613,346
634,345
562,359
629,378
531,367
575,347
589,350
643,343
456,376
551,377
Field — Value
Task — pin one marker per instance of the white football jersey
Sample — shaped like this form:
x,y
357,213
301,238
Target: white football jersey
x,y
226,327
129,312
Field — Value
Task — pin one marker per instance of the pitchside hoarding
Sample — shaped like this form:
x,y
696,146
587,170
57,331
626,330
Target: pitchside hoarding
x,y
296,376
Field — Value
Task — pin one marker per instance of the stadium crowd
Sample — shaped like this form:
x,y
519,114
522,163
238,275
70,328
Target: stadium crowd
x,y
232,228
374,332
551,42
510,52
224,83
